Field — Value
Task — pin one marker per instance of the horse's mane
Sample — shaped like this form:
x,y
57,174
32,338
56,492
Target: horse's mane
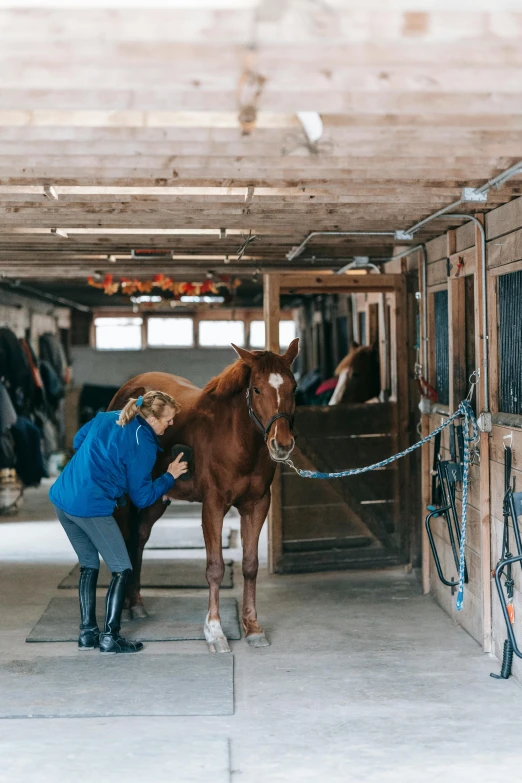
x,y
235,377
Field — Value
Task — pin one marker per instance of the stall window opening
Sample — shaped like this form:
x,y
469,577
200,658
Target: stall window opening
x,y
510,342
170,332
118,334
221,333
441,346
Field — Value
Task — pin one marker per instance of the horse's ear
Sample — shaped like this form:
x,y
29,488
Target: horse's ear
x,y
291,352
354,345
243,354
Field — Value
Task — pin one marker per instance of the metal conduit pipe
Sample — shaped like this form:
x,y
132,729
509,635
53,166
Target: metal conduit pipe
x,y
495,182
473,194
296,251
355,265
38,294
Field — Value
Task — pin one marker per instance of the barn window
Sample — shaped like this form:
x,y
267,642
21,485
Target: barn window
x,y
221,333
510,342
287,333
118,334
170,332
362,328
441,346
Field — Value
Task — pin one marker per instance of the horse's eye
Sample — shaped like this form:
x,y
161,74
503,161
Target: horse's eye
x,y
256,390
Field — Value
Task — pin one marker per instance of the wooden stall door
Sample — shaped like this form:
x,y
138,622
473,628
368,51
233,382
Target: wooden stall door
x,y
355,522
348,522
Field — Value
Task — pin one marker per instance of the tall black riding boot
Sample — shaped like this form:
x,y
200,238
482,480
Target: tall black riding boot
x,y
110,640
89,631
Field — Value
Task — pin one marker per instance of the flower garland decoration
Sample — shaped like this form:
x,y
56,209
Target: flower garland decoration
x,y
129,287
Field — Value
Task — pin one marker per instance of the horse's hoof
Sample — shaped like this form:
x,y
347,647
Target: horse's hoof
x,y
126,616
139,612
219,646
216,639
257,640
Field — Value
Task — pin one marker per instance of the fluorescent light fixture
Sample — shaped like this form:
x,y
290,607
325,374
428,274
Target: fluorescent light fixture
x,y
312,124
164,190
59,232
145,298
204,299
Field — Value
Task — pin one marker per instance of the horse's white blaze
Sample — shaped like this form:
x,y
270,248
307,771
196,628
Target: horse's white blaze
x,y
276,380
337,396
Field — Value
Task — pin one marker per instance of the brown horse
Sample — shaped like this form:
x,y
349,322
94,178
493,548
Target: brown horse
x,y
359,375
238,427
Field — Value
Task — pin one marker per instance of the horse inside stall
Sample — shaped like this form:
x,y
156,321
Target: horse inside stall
x,y
238,427
359,375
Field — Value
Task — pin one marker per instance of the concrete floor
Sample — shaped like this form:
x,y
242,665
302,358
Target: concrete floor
x,y
366,680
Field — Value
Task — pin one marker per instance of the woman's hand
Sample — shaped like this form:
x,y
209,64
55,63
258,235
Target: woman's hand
x,y
177,468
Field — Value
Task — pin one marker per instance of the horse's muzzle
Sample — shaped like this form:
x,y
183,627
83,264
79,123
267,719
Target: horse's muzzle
x,y
280,452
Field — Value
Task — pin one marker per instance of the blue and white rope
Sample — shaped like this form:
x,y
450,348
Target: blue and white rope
x,y
464,410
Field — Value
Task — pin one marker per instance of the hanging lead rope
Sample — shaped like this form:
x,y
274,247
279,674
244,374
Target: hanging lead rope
x,y
470,425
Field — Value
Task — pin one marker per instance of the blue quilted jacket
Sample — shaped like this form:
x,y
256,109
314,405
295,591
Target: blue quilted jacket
x,y
110,461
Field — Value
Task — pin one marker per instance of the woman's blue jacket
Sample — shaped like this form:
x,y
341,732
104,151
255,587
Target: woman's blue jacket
x,y
110,461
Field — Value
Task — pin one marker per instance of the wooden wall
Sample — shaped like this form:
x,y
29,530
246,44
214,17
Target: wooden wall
x,y
452,257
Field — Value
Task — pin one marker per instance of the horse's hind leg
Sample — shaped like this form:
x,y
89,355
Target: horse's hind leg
x,y
253,516
144,522
213,513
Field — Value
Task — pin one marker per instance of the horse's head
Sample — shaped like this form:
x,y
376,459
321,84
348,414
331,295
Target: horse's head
x,y
360,374
270,397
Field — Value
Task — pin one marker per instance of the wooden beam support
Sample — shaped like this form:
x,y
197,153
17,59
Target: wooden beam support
x,y
485,498
340,284
271,308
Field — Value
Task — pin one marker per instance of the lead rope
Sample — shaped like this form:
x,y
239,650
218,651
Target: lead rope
x,y
470,425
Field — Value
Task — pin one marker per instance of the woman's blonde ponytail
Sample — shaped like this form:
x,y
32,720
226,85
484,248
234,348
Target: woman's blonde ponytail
x,y
152,403
129,412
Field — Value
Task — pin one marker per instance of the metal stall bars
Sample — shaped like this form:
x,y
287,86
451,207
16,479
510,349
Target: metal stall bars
x,y
512,508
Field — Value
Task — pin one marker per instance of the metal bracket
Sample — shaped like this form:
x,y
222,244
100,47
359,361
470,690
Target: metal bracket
x,y
471,194
485,422
403,235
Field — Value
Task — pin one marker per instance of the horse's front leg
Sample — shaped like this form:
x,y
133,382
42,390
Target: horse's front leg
x,y
253,515
213,512
145,521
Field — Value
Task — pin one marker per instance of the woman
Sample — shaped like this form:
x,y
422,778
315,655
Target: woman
x,y
115,454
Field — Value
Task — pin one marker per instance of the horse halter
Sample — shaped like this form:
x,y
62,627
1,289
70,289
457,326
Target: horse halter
x,y
259,424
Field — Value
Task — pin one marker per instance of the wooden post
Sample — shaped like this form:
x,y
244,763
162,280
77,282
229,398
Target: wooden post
x,y
485,500
271,307
402,369
426,499
456,332
425,457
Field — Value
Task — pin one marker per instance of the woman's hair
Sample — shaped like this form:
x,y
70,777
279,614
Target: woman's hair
x,y
152,403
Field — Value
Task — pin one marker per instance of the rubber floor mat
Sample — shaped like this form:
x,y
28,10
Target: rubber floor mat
x,y
171,619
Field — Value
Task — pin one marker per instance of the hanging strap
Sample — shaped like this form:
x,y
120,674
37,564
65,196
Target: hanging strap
x,y
435,486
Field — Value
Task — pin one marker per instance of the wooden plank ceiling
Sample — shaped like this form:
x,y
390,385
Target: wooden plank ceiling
x,y
114,106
